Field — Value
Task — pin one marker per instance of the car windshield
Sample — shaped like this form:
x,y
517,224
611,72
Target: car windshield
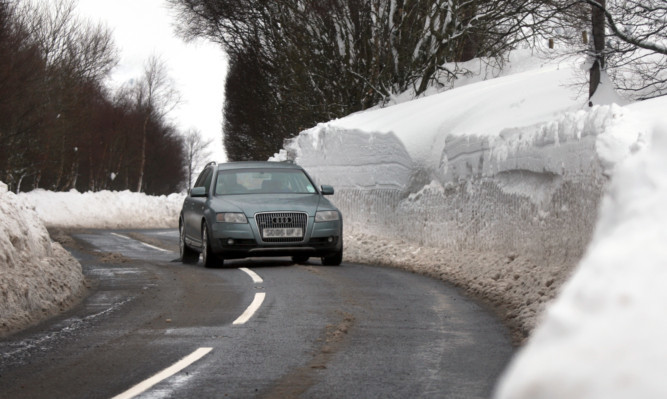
x,y
263,181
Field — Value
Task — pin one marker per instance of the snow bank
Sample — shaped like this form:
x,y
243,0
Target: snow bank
x,y
37,277
508,211
494,185
105,209
506,216
604,335
424,134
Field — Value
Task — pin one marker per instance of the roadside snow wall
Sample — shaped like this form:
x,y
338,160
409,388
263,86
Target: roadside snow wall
x,y
505,216
38,278
105,209
603,337
509,193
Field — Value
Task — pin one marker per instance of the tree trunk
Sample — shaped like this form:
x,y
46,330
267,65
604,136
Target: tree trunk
x,y
38,177
598,30
142,166
18,185
61,168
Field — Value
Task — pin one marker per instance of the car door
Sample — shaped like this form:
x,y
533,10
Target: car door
x,y
194,206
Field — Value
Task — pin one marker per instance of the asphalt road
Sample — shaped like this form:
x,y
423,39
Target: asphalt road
x,y
152,327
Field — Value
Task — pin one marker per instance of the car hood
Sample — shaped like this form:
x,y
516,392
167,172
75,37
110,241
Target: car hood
x,y
255,203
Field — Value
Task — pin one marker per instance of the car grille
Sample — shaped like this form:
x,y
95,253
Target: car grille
x,y
282,220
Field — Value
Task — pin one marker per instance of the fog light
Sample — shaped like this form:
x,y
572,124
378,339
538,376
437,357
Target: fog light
x,y
330,239
230,241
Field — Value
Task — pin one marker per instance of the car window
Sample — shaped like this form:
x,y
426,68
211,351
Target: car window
x,y
204,179
200,178
263,181
208,179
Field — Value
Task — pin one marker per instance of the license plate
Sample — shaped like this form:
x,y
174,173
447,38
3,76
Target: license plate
x,y
282,233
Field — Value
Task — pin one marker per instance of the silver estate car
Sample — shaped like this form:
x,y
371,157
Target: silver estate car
x,y
255,209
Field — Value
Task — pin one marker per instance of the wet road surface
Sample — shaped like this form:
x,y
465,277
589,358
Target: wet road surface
x,y
152,327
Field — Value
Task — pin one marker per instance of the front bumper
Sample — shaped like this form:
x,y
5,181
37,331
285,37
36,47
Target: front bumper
x,y
235,241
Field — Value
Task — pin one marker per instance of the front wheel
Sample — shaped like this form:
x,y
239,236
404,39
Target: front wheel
x,y
188,255
333,260
209,259
300,259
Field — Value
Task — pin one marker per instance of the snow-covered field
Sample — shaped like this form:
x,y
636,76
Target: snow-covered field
x,y
511,188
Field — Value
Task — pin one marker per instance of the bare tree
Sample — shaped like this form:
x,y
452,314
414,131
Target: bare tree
x,y
68,54
21,74
196,152
639,23
60,128
69,43
323,59
156,96
626,39
636,45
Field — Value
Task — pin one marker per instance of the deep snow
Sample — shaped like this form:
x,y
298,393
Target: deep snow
x,y
105,209
38,278
496,186
493,185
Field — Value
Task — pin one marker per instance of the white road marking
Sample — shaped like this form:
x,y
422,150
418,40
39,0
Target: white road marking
x,y
121,236
254,276
141,242
164,374
154,247
256,303
199,353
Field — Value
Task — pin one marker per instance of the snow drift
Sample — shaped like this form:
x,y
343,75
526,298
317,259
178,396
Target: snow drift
x,y
38,277
603,336
105,209
496,183
506,205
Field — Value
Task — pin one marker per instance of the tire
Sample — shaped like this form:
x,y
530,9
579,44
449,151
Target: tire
x,y
188,255
300,259
333,260
209,259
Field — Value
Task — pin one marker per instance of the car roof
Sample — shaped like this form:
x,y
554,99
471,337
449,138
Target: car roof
x,y
257,165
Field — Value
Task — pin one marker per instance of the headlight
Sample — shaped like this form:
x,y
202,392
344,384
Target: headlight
x,y
231,218
327,216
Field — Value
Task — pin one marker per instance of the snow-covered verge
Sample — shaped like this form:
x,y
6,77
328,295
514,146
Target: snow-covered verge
x,y
38,278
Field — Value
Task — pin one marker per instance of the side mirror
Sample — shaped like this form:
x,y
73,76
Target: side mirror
x,y
198,192
327,190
